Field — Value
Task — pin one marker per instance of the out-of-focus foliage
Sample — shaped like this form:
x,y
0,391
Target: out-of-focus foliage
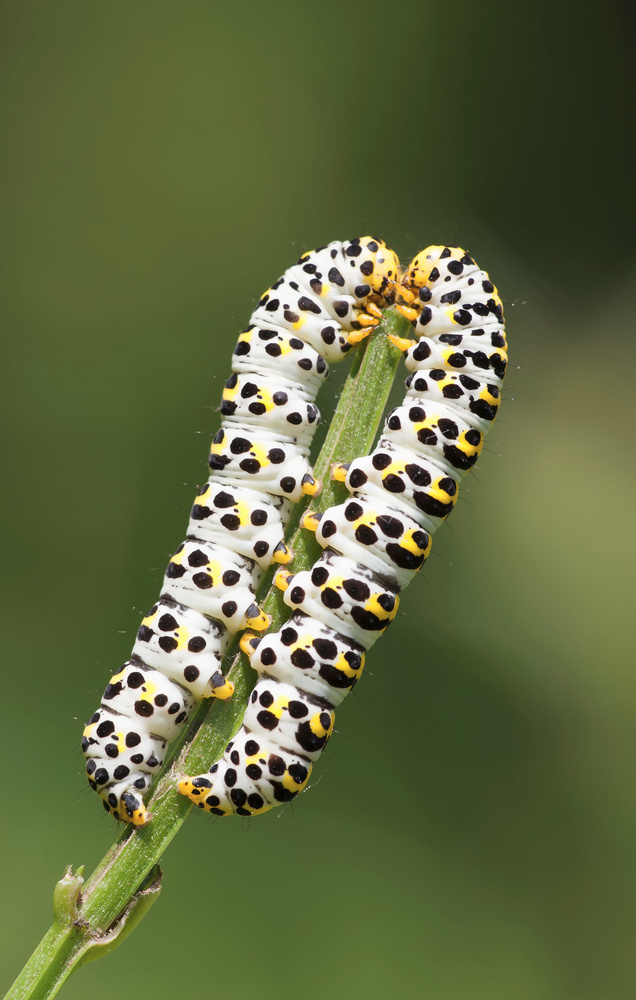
x,y
471,830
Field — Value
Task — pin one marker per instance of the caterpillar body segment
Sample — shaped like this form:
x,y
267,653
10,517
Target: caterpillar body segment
x,y
374,542
259,468
241,518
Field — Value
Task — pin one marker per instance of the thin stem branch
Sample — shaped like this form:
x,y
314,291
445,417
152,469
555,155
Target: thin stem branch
x,y
91,918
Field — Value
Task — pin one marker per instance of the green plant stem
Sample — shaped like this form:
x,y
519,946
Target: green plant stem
x,y
91,918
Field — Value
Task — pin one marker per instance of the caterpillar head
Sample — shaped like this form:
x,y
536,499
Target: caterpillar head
x,y
419,270
127,808
380,266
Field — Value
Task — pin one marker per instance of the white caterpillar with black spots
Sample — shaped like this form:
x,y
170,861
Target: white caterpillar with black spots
x,y
374,543
259,462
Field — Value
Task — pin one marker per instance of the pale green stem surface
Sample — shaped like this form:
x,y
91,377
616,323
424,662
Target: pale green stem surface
x,y
91,918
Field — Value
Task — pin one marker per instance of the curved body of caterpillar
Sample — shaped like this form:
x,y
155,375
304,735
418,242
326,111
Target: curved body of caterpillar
x,y
374,542
259,463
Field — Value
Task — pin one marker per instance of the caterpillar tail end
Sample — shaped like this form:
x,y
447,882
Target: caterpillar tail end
x,y
283,554
136,811
402,343
200,790
128,807
219,687
197,789
310,486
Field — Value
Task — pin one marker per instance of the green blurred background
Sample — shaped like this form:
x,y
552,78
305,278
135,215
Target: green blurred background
x,y
471,831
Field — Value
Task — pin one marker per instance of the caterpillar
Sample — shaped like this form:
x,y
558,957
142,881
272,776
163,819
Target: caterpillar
x,y
374,543
259,468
